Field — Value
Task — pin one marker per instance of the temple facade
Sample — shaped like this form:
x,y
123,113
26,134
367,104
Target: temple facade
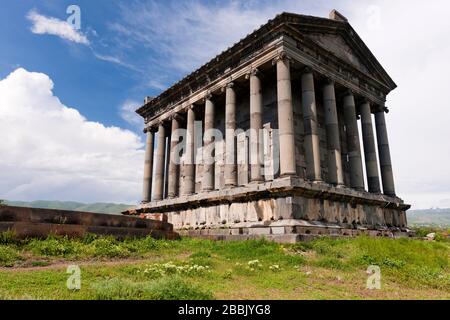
x,y
282,135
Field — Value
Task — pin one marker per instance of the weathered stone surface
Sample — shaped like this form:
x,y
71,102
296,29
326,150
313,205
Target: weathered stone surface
x,y
32,222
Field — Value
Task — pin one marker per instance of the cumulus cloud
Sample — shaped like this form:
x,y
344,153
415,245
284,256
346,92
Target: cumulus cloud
x,y
50,151
56,27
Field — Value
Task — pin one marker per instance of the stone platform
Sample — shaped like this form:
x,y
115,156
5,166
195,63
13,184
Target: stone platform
x,y
32,222
287,210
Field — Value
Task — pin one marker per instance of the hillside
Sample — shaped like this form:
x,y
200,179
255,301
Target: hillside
x,y
111,208
429,218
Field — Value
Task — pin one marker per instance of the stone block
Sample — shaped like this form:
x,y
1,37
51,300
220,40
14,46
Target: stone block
x,y
258,231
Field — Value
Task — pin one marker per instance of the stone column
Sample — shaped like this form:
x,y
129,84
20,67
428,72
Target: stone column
x,y
285,117
312,148
174,163
384,153
353,145
188,186
370,153
208,145
335,171
159,170
230,136
148,168
256,126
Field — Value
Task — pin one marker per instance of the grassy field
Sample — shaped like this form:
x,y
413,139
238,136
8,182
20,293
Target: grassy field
x,y
200,269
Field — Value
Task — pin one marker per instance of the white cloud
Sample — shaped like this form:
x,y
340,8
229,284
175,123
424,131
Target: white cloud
x,y
128,113
56,27
50,151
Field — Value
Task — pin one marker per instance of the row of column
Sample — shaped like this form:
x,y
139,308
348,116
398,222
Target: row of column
x,y
286,136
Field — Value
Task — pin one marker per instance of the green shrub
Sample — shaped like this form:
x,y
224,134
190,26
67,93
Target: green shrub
x,y
141,246
53,246
89,238
7,237
168,288
8,256
108,247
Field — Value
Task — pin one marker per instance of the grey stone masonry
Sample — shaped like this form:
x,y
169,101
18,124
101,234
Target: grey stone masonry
x,y
335,170
353,144
174,159
370,153
230,137
148,168
160,160
387,175
208,147
312,148
188,167
285,117
256,126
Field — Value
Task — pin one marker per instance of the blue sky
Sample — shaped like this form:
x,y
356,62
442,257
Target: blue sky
x,y
96,87
67,98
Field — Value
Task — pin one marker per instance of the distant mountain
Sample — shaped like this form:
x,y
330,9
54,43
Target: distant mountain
x,y
429,218
110,208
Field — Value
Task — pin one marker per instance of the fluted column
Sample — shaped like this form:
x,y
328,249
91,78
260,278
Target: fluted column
x,y
312,148
387,175
370,153
353,144
285,117
335,172
188,186
208,146
160,161
148,168
230,136
255,126
174,163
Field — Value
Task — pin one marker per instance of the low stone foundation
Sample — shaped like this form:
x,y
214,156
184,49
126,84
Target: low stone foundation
x,y
286,207
39,223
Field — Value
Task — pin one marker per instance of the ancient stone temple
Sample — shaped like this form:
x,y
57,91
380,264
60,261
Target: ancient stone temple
x,y
282,135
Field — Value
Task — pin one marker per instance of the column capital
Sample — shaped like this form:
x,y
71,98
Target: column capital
x,y
160,122
307,69
365,100
229,85
151,129
175,116
253,72
328,81
348,92
208,96
282,56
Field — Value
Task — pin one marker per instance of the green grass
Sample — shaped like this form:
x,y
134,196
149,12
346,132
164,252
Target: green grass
x,y
201,269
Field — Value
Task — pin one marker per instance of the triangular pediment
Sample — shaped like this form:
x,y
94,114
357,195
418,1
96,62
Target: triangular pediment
x,y
338,47
341,40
